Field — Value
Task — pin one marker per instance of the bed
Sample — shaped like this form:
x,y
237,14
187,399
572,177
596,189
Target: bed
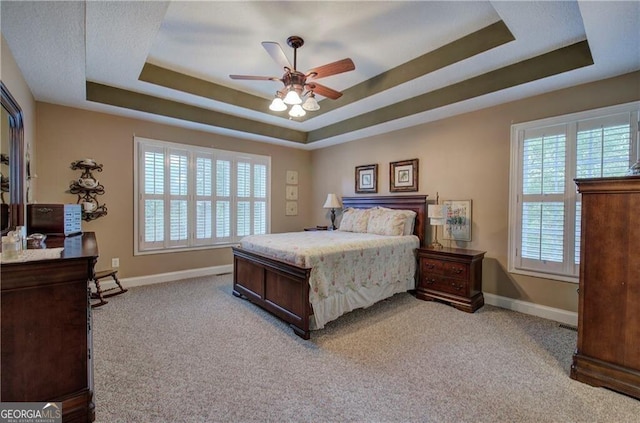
x,y
301,290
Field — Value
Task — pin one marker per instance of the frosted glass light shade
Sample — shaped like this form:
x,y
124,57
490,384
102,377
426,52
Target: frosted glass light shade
x,y
311,104
292,97
277,105
297,111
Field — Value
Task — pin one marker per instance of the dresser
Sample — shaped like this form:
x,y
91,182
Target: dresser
x,y
46,336
451,275
608,349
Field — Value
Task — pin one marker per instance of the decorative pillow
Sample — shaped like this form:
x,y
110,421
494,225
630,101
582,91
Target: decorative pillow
x,y
409,223
354,220
386,222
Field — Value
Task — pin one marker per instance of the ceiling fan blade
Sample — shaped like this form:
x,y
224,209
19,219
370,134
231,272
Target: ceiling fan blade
x,y
324,91
255,78
277,54
344,65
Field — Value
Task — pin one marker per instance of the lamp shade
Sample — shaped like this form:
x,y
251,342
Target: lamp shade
x,y
332,202
436,211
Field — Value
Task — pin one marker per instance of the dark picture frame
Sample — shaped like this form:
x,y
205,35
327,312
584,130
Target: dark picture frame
x,y
367,179
403,176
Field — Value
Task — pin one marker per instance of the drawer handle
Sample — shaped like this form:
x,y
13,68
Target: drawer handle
x,y
430,281
456,287
457,270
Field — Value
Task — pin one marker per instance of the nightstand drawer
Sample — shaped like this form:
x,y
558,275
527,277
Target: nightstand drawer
x,y
450,285
456,270
430,266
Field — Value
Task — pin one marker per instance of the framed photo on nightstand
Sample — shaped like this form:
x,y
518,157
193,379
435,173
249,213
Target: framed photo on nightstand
x,y
457,225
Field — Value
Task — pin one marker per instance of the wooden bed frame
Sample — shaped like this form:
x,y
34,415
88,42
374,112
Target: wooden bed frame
x,y
283,288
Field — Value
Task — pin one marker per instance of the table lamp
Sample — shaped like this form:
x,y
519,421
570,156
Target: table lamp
x,y
437,214
332,203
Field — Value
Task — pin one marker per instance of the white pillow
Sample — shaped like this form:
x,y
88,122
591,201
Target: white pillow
x,y
409,223
354,220
386,222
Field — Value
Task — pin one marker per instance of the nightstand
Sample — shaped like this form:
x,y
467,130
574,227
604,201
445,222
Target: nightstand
x,y
317,228
452,275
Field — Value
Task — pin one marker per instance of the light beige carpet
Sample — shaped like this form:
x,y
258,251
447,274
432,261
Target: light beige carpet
x,y
189,351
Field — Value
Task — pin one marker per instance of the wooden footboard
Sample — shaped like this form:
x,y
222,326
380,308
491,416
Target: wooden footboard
x,y
278,287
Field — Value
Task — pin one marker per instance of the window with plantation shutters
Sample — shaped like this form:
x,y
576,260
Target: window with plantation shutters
x,y
547,155
194,197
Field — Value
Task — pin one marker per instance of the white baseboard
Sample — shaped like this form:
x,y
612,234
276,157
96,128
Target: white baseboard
x,y
557,314
168,277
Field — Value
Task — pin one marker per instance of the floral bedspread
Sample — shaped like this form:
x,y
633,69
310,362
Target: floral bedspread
x,y
349,270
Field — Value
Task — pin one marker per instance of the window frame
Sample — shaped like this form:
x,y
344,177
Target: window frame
x,y
142,144
569,271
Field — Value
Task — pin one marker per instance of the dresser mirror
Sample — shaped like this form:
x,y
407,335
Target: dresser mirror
x,y
12,163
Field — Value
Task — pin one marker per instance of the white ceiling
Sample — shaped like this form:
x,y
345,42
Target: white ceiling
x,y
61,45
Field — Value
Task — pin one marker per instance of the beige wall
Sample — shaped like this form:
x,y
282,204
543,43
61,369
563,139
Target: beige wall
x,y
67,134
467,157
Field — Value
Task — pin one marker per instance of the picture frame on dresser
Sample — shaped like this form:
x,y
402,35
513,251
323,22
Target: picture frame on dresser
x,y
457,225
403,176
367,179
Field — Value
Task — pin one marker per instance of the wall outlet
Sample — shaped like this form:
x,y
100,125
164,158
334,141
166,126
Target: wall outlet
x,y
115,262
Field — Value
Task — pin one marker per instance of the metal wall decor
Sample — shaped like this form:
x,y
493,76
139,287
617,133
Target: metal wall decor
x,y
88,188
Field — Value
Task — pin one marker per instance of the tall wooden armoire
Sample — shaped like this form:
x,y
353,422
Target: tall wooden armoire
x,y
608,351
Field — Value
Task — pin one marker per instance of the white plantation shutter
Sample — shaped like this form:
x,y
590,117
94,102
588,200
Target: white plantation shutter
x,y
542,207
546,157
192,197
259,199
243,170
204,199
223,199
603,146
153,183
178,191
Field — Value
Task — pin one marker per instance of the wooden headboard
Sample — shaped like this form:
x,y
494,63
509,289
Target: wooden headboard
x,y
417,203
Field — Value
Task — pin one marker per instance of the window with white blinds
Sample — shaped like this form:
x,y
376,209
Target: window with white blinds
x,y
546,156
194,197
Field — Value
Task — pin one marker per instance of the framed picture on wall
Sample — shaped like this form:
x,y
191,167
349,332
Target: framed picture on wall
x,y
367,179
292,177
457,224
403,176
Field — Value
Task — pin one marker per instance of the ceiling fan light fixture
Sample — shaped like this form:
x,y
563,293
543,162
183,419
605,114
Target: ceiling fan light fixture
x,y
277,105
310,103
297,111
292,97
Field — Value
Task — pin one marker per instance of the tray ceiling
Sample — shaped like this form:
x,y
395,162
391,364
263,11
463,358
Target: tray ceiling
x,y
415,61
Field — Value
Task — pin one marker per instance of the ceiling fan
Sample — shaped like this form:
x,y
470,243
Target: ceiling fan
x,y
298,85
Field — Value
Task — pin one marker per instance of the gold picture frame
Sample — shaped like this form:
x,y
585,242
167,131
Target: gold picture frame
x,y
367,179
403,176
